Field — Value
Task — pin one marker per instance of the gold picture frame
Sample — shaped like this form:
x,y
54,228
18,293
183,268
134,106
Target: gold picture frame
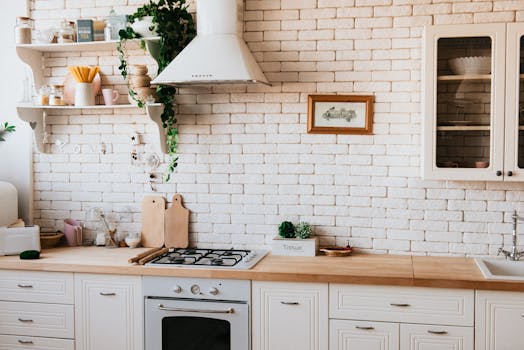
x,y
340,114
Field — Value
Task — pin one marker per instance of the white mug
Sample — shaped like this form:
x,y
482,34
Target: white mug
x,y
84,95
110,96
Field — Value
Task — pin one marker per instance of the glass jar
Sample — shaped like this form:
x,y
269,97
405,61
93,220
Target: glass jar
x,y
66,34
56,98
43,95
23,30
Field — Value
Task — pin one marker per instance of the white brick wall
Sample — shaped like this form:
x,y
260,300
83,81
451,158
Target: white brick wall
x,y
246,161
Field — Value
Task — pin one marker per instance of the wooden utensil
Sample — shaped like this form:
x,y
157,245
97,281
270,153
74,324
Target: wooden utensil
x,y
152,256
148,252
153,208
177,224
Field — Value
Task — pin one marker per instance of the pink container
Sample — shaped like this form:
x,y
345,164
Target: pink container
x,y
73,232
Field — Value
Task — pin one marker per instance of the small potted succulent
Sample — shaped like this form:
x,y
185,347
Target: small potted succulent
x,y
295,240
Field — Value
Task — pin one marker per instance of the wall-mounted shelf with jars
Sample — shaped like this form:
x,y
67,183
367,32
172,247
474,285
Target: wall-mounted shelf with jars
x,y
36,115
473,96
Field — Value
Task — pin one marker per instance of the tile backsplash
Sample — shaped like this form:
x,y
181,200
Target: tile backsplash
x,y
246,161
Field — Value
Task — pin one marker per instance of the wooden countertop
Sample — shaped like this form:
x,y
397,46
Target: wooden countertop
x,y
442,272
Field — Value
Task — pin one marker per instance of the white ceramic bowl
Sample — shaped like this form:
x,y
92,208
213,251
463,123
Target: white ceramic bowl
x,y
132,242
470,65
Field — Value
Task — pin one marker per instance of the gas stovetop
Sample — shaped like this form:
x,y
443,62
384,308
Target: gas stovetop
x,y
209,258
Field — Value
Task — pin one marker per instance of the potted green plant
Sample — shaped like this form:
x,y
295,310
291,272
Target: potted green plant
x,y
6,129
174,25
295,240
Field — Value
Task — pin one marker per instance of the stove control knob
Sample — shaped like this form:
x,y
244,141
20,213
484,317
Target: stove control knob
x,y
195,289
213,291
177,289
253,253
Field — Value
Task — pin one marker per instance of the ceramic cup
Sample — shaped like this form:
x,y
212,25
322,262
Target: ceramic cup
x,y
73,232
110,96
84,95
449,165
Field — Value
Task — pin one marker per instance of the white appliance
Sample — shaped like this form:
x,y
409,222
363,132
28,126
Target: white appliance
x,y
196,313
218,54
8,204
15,240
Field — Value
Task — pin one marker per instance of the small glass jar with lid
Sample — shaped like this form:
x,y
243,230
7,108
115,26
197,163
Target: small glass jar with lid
x,y
56,97
66,34
43,95
23,30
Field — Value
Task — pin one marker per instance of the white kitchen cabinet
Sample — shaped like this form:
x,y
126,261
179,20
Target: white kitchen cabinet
x,y
108,312
36,310
363,335
471,124
289,316
433,337
499,321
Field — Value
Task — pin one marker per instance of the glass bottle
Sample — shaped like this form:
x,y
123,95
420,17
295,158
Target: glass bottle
x,y
66,34
23,30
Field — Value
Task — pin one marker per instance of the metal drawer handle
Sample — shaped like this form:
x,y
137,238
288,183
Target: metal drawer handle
x,y
25,341
366,328
105,294
437,332
399,305
289,302
204,311
26,320
24,286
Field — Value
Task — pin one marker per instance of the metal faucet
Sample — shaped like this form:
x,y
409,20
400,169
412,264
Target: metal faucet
x,y
513,254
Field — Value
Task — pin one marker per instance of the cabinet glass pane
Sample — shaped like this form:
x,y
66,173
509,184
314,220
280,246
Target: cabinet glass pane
x,y
521,105
464,102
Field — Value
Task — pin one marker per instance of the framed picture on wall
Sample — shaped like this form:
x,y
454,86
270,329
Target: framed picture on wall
x,y
340,114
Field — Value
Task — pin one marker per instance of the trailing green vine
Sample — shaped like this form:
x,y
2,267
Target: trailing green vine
x,y
6,129
176,28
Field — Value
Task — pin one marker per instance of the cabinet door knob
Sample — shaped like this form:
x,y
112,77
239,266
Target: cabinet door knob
x,y
106,294
289,302
510,173
498,173
25,320
400,305
437,332
24,286
365,328
25,341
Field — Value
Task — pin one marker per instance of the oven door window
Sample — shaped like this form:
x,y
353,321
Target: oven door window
x,y
195,333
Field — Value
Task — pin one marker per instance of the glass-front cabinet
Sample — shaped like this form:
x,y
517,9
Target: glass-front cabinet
x,y
472,102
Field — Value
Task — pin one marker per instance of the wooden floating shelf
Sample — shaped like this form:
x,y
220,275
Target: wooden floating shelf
x,y
464,128
36,116
84,46
467,77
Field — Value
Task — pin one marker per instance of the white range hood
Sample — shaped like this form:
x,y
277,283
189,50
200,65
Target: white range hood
x,y
218,54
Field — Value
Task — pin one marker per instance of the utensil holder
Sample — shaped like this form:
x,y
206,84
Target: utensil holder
x,y
84,95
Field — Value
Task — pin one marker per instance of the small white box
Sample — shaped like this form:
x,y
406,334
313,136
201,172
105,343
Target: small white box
x,y
295,246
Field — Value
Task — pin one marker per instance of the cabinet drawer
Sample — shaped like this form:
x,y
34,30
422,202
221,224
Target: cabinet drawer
x,y
419,337
41,287
13,342
402,304
41,320
360,335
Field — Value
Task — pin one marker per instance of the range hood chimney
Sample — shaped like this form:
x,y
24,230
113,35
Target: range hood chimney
x,y
218,54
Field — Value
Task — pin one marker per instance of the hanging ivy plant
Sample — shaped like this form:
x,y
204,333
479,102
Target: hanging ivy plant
x,y
176,28
6,129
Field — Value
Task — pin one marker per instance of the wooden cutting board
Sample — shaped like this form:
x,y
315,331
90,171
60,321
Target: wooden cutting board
x,y
177,224
153,208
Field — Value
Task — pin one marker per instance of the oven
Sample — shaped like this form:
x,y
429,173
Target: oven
x,y
196,314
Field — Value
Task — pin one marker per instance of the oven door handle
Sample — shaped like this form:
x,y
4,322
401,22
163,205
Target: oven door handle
x,y
204,311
